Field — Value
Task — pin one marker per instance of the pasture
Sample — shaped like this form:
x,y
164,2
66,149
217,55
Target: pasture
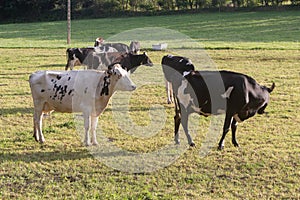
x,y
264,45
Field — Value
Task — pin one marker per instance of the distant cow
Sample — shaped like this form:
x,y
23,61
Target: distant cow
x,y
216,92
77,56
134,46
181,64
128,61
85,91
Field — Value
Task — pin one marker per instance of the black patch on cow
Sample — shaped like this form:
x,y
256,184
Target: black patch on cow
x,y
59,91
52,80
69,78
58,77
70,92
85,90
105,90
42,90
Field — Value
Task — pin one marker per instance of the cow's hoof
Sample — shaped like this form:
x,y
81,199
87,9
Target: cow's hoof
x,y
192,144
220,148
235,144
95,143
87,144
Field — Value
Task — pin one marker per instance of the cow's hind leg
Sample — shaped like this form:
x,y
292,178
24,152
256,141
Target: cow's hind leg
x,y
37,121
94,121
226,127
233,130
184,122
37,126
87,125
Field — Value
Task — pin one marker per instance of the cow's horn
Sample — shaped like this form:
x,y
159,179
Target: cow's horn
x,y
271,88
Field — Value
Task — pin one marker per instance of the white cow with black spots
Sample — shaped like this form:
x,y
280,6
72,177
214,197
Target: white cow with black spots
x,y
85,91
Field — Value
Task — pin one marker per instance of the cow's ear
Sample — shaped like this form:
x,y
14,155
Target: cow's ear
x,y
271,88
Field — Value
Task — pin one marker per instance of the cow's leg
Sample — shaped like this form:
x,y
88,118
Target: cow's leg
x,y
37,124
226,127
169,92
233,130
177,121
94,122
87,123
184,122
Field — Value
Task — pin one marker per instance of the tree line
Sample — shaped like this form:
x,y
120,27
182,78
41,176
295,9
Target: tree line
x,y
35,10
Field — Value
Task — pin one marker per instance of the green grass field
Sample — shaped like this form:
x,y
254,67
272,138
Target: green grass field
x,y
264,45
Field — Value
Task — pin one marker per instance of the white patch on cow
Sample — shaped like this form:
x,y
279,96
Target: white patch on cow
x,y
184,99
186,73
98,50
236,117
180,60
170,56
189,62
227,93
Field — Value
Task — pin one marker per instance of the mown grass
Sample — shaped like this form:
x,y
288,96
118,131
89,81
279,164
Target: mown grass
x,y
266,166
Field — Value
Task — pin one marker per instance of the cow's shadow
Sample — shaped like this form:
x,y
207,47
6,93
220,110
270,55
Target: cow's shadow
x,y
12,111
44,156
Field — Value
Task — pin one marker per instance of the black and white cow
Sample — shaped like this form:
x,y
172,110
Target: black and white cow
x,y
134,46
69,91
216,92
77,56
128,61
180,64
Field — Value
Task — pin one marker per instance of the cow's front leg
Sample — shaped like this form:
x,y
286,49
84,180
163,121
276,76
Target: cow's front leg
x,y
94,122
226,127
169,92
177,121
184,122
87,123
233,130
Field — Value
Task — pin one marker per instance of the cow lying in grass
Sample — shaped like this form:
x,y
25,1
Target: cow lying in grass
x,y
236,95
85,91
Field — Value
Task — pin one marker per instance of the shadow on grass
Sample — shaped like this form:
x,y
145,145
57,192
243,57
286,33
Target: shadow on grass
x,y
44,156
12,111
51,66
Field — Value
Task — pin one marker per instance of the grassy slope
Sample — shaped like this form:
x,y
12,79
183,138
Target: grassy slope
x,y
213,30
265,166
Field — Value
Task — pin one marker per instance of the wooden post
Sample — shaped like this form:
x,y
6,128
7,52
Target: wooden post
x,y
69,22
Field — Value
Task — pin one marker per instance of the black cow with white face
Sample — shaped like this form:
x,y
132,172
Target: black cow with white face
x,y
180,64
236,95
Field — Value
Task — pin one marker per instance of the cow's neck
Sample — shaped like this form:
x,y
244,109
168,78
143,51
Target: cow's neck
x,y
102,100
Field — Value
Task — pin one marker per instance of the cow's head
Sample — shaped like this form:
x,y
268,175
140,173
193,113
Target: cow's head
x,y
139,59
123,81
267,92
257,105
175,66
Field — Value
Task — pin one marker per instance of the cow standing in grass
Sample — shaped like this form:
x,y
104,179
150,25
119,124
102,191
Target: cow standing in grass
x,y
134,46
128,61
85,91
236,95
77,56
